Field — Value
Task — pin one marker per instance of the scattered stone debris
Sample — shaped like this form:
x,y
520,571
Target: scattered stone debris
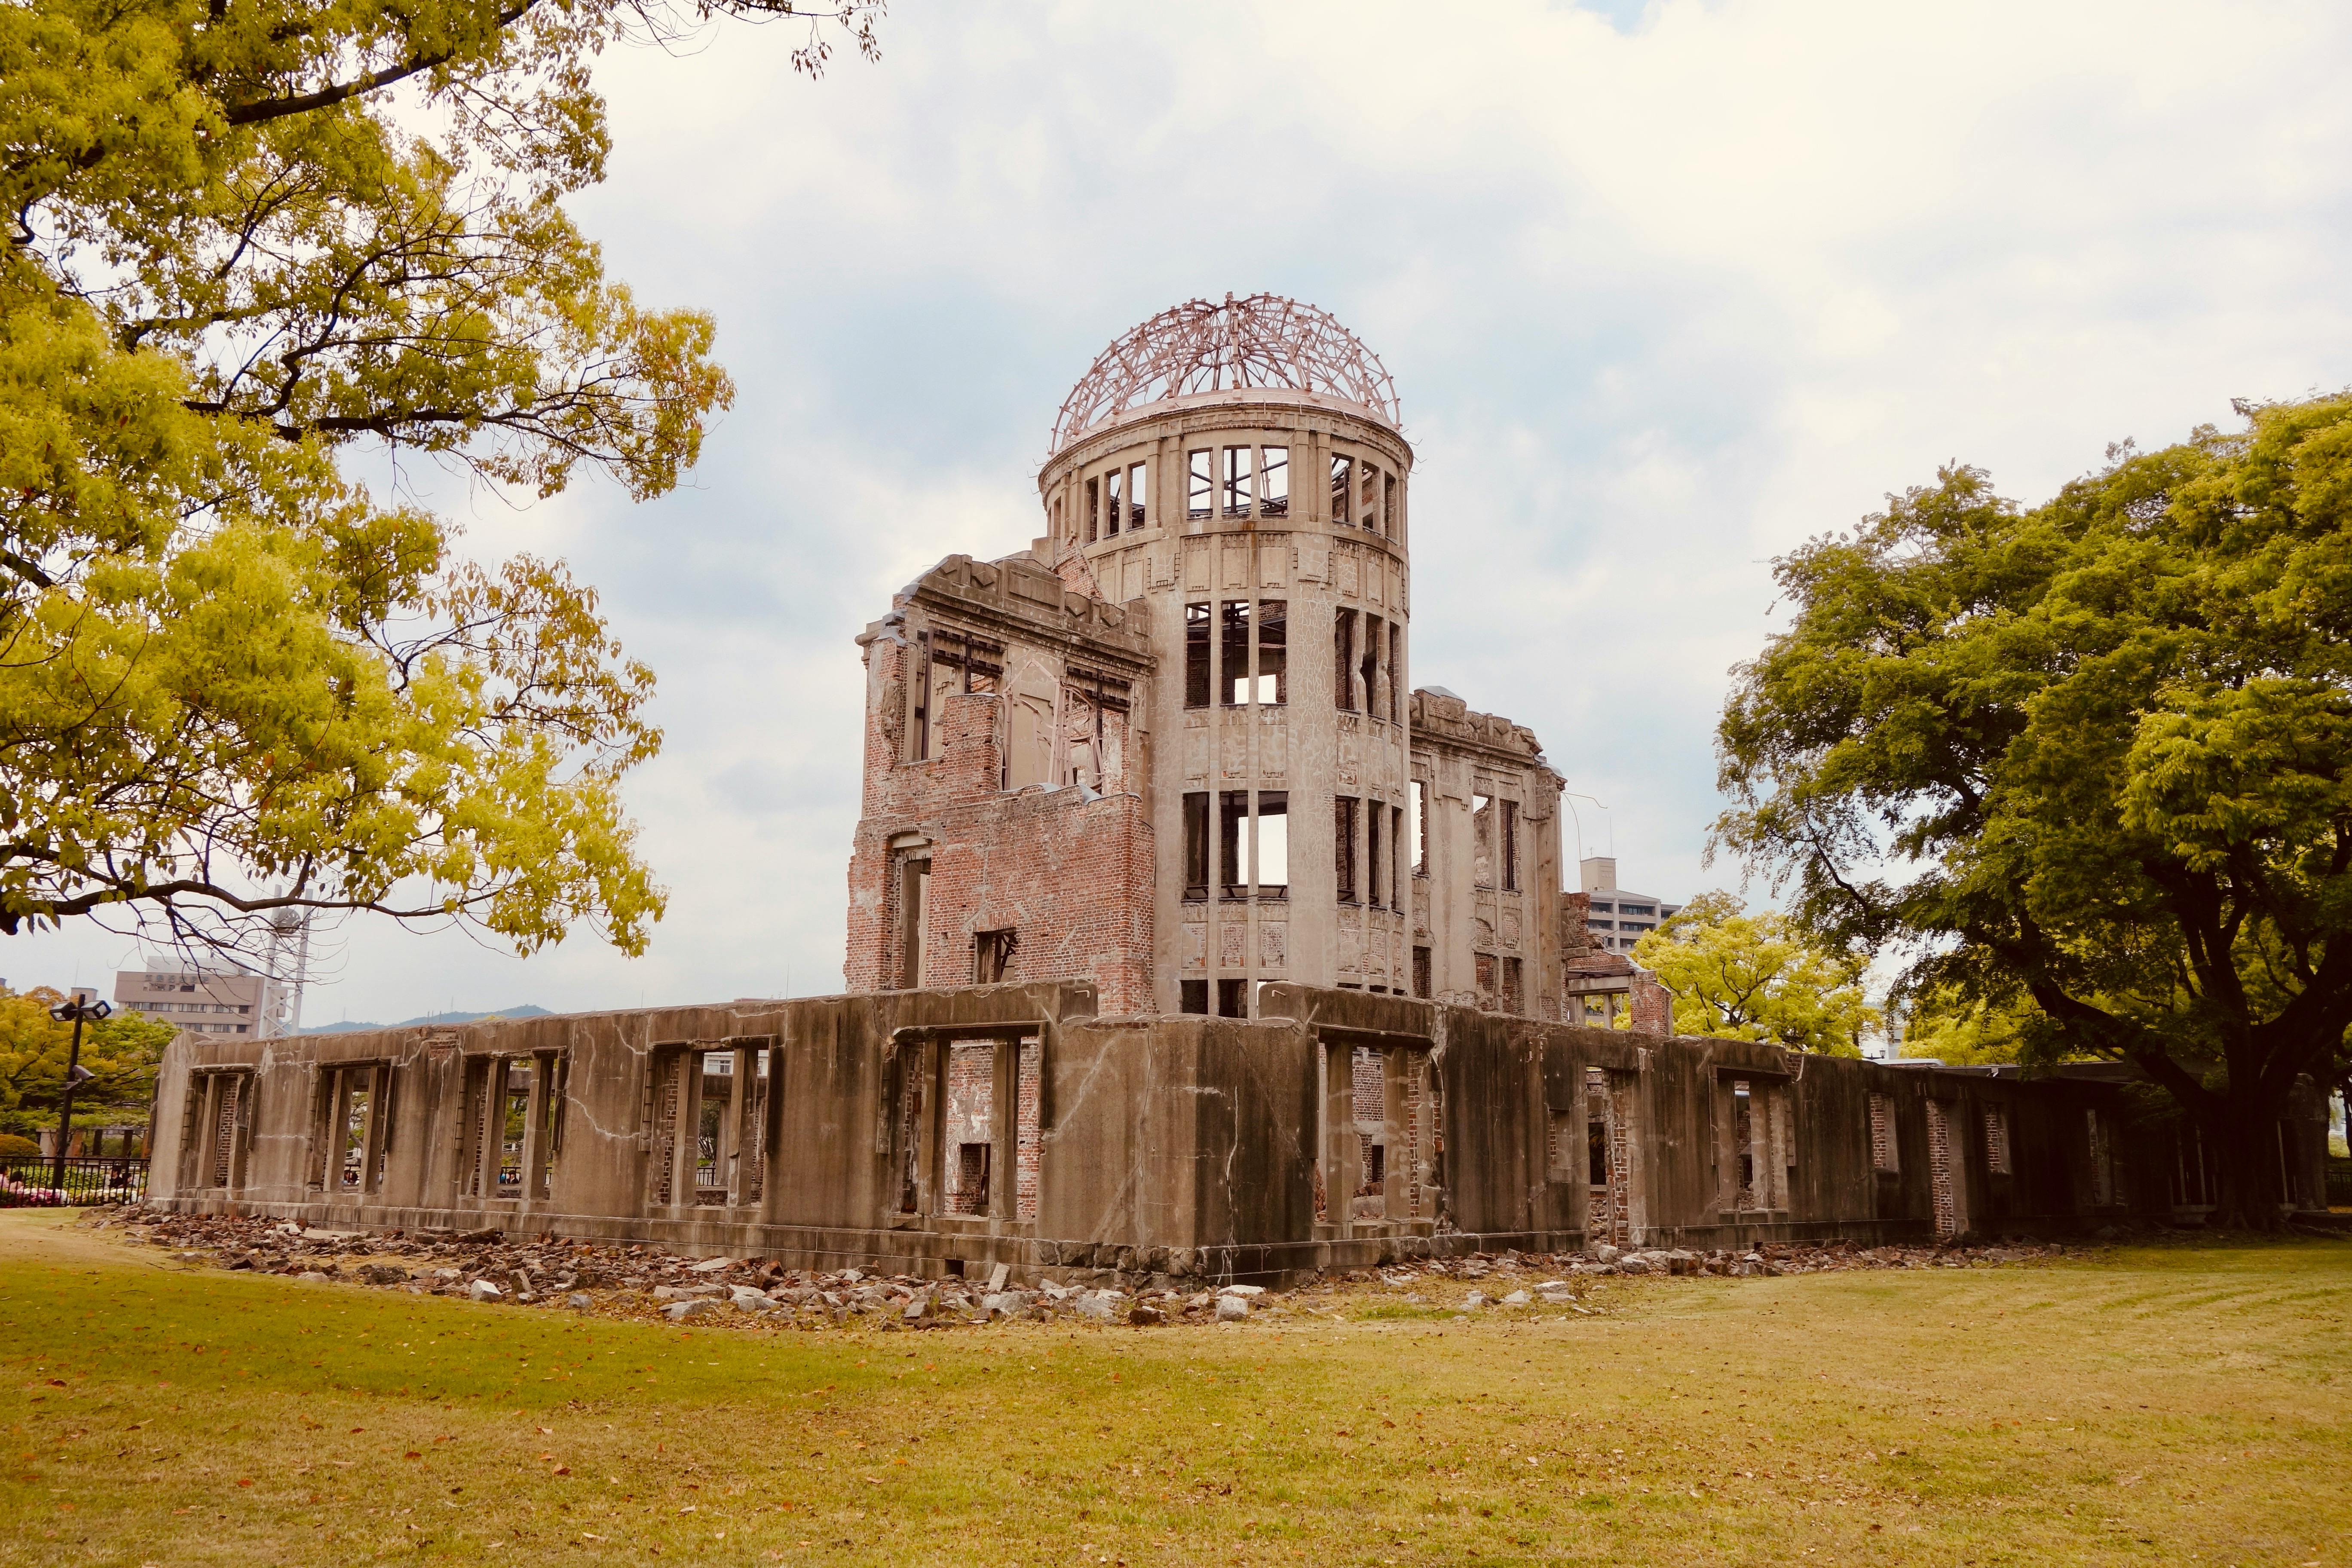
x,y
640,1280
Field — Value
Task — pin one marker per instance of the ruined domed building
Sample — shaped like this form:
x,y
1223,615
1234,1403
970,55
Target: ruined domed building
x,y
1187,938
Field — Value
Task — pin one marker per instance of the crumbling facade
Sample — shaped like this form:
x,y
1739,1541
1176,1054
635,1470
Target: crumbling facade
x,y
1186,937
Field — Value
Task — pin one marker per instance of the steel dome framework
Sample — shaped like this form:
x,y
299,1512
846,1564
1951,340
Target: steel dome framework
x,y
1264,340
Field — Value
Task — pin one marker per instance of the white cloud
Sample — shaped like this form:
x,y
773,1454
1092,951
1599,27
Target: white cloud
x,y
1666,291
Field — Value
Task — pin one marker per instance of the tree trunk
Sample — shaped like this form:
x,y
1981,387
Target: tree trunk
x,y
2248,1140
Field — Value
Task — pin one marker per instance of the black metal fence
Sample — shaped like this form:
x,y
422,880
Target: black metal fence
x,y
25,1181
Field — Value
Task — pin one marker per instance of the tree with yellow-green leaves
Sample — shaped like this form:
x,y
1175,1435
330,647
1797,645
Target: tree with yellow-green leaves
x,y
240,237
121,1053
1757,978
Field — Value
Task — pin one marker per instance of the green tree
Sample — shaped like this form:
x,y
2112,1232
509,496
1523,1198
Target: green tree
x,y
1757,978
121,1053
2093,758
1947,1026
240,237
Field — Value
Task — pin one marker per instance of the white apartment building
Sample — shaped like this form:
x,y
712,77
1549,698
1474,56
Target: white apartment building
x,y
1616,917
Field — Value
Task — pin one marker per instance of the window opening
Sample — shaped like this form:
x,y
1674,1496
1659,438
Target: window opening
x,y
1273,844
1514,1000
1596,1151
1510,844
1114,502
1193,997
1743,1142
1371,664
1094,511
919,739
714,1071
1274,482
1235,652
991,956
1343,659
1396,672
1418,827
1486,981
1273,652
1201,484
1372,880
971,1130
1369,486
1388,505
1196,844
514,1124
1233,822
1396,858
1233,998
1421,985
1343,847
1883,1154
359,1101
1238,481
914,915
1196,656
1135,498
1341,483
1482,840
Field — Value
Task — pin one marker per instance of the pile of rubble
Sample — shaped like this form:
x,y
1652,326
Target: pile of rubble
x,y
490,1266
630,1279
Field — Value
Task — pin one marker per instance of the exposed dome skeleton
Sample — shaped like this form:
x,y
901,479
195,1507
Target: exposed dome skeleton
x,y
1264,340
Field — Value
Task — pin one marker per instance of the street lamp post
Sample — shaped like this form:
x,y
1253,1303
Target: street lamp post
x,y
83,1006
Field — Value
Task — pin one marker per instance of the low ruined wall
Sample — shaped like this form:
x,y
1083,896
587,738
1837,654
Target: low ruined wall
x,y
945,1131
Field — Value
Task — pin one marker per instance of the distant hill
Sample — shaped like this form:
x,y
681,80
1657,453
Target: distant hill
x,y
429,1018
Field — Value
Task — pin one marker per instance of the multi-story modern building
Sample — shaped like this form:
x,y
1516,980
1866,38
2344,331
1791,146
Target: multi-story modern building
x,y
202,1001
1615,917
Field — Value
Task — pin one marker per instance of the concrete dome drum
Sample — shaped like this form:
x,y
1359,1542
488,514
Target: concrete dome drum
x,y
1266,341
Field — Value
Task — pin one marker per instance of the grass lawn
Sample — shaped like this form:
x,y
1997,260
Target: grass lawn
x,y
2160,1404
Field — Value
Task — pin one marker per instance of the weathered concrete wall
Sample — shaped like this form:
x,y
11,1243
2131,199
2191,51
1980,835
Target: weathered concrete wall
x,y
1336,1129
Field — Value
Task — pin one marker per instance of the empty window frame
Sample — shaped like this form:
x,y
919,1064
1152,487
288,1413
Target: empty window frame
x,y
1196,844
1486,968
1884,1154
991,956
1510,844
1421,980
1368,491
1417,826
1196,656
1201,484
919,701
1136,510
969,1110
1274,482
1343,659
1996,1141
1482,840
1390,523
1233,623
1396,672
1374,890
351,1128
710,1126
1369,666
1193,997
1237,477
1232,829
1273,844
914,921
1396,858
1343,485
1233,998
1743,1146
1094,509
217,1120
1343,847
1114,501
1513,998
1273,652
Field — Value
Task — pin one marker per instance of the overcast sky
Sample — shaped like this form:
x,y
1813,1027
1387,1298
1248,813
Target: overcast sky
x,y
1666,289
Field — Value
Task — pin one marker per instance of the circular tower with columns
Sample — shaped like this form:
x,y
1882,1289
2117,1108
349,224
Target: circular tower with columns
x,y
1238,469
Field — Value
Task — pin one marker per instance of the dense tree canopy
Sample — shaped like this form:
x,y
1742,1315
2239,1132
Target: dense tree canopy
x,y
240,236
121,1053
2093,757
1757,978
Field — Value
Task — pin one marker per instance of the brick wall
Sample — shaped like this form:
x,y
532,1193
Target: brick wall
x,y
1072,881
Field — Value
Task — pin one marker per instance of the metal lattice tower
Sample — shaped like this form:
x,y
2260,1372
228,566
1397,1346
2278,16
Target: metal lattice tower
x,y
1264,340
